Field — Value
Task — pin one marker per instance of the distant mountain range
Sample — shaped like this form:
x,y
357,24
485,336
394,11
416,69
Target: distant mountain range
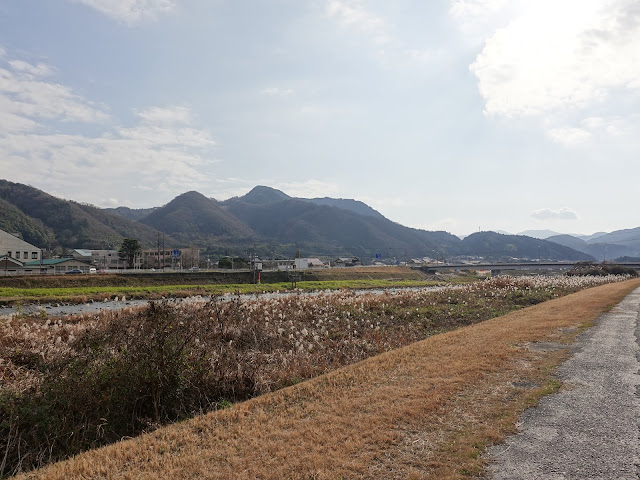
x,y
271,223
607,246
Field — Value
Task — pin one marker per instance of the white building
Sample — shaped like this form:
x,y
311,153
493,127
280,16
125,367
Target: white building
x,y
14,247
305,263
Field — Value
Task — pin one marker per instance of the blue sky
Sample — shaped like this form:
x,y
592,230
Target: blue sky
x,y
455,115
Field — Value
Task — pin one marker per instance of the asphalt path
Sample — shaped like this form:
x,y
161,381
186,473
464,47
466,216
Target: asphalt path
x,y
590,428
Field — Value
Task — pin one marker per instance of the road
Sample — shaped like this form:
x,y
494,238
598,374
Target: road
x,y
589,430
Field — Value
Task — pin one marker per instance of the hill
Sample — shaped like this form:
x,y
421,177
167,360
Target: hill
x,y
354,206
63,222
262,195
320,229
629,238
265,220
192,217
599,248
504,247
569,241
131,213
541,234
15,221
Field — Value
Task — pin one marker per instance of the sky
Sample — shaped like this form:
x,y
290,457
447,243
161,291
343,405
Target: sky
x,y
455,115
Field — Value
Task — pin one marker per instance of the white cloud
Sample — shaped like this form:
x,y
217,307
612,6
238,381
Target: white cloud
x,y
277,92
569,136
581,53
26,99
163,151
39,70
562,62
475,8
130,11
164,159
423,56
166,115
561,214
353,14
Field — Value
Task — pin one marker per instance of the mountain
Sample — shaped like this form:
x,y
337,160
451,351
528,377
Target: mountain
x,y
265,220
497,246
131,213
322,229
617,244
192,217
593,236
53,222
542,234
262,195
628,237
607,246
354,206
15,221
570,241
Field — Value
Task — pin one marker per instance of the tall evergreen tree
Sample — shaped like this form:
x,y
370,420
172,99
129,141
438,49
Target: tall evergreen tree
x,y
129,249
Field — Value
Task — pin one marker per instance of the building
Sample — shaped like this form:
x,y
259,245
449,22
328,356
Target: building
x,y
171,258
15,248
104,259
55,266
305,263
347,262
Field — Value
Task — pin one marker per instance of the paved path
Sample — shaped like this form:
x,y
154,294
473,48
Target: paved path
x,y
589,430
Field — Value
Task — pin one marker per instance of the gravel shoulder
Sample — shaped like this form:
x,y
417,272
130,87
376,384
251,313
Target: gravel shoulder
x,y
589,429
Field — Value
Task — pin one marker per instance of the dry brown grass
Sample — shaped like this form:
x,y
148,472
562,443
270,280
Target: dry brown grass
x,y
424,411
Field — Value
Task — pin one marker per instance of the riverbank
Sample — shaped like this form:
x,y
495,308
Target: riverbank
x,y
79,289
424,411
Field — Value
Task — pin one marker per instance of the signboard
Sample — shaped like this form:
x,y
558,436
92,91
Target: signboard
x,y
176,253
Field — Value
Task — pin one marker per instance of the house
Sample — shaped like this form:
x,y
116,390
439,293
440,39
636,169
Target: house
x,y
347,262
10,266
305,263
283,265
13,247
417,261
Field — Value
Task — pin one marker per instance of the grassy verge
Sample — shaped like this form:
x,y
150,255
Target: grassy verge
x,y
423,411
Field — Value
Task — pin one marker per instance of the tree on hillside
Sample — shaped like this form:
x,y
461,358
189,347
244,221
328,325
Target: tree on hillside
x,y
129,249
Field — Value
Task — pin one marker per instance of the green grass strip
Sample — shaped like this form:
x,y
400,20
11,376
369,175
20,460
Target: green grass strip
x,y
21,294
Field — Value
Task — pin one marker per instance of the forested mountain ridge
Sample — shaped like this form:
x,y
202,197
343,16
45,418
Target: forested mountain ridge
x,y
265,220
51,222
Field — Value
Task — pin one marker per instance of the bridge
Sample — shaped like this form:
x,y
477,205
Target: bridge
x,y
497,267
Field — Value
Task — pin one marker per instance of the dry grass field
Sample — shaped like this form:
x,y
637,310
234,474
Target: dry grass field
x,y
424,411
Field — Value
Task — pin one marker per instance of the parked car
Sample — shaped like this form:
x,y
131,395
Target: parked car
x,y
72,272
